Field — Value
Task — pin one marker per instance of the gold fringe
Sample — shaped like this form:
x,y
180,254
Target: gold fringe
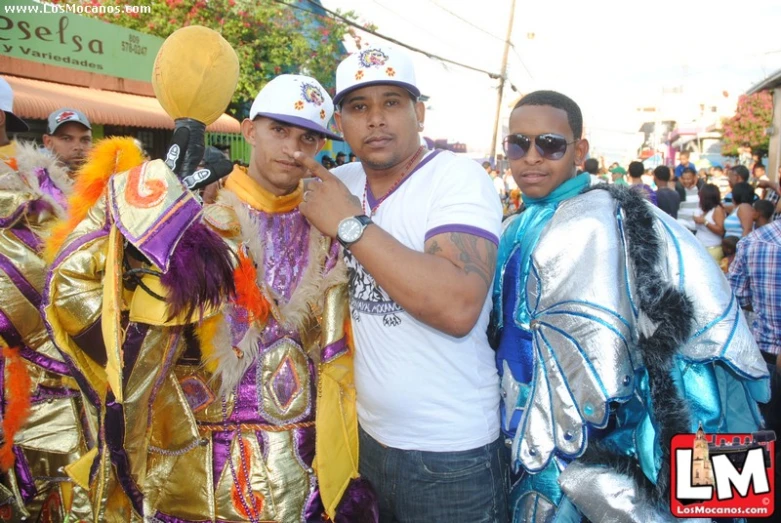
x,y
254,427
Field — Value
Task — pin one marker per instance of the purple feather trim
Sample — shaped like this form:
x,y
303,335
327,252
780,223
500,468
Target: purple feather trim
x,y
200,272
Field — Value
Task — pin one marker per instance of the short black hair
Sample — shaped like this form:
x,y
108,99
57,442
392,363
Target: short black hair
x,y
636,169
757,166
741,171
718,168
662,173
710,197
765,208
742,193
688,170
591,166
731,242
340,153
559,101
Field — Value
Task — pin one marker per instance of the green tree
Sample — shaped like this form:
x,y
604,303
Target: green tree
x,y
752,117
269,37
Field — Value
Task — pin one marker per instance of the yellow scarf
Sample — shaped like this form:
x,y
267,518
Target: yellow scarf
x,y
249,191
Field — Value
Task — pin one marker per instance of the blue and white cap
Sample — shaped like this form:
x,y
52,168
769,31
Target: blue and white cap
x,y
297,100
376,65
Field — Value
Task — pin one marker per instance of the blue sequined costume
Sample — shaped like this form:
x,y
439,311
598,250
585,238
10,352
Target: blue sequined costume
x,y
614,331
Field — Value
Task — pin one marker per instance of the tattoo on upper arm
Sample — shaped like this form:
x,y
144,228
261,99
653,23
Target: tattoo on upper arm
x,y
477,254
433,248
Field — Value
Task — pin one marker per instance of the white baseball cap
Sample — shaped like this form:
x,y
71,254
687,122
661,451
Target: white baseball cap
x,y
13,123
297,100
377,65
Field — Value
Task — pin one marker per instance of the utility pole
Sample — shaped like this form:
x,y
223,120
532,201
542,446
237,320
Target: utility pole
x,y
502,79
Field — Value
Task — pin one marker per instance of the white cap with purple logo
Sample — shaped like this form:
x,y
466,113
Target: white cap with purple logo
x,y
376,65
296,100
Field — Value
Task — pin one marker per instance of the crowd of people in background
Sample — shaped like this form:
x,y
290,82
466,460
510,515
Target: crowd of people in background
x,y
341,159
718,206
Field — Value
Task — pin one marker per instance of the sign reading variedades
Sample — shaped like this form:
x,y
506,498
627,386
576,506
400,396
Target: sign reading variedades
x,y
46,33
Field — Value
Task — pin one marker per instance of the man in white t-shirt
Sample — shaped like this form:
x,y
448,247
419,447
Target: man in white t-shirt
x,y
420,230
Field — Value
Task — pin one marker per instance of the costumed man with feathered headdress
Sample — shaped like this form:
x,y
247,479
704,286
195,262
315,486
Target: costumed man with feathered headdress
x,y
45,427
214,340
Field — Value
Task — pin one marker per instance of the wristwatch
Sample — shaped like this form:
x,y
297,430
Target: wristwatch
x,y
351,229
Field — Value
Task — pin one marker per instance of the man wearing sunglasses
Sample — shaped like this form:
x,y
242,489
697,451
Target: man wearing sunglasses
x,y
614,331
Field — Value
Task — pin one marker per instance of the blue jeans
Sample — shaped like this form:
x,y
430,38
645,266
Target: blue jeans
x,y
437,487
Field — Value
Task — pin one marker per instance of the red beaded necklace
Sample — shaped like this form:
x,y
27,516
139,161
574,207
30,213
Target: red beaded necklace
x,y
407,169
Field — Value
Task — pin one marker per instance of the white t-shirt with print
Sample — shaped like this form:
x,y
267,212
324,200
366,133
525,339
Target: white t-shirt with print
x,y
418,388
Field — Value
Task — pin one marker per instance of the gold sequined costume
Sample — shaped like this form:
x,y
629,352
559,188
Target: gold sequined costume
x,y
45,425
211,416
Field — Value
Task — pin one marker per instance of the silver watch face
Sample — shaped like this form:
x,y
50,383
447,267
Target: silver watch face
x,y
350,230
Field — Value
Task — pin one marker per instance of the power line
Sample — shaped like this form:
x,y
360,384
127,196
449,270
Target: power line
x,y
468,22
384,37
411,22
518,55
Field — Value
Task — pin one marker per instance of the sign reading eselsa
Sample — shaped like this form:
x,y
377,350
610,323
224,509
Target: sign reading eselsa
x,y
46,33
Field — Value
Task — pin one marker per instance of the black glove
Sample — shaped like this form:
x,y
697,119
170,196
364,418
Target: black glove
x,y
186,152
214,168
187,145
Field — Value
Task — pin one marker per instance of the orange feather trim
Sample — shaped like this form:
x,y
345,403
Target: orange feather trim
x,y
248,295
240,492
17,392
109,156
12,163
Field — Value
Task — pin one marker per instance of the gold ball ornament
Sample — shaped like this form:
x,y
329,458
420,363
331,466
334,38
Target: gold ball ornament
x,y
195,74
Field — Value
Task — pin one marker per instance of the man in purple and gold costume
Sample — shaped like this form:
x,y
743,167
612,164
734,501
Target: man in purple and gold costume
x,y
44,424
223,334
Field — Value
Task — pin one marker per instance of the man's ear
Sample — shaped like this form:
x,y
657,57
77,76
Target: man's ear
x,y
581,151
247,130
420,112
338,121
47,141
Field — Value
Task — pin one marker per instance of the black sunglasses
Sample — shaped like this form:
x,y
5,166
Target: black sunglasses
x,y
550,146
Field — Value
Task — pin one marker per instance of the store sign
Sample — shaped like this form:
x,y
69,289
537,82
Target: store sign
x,y
46,33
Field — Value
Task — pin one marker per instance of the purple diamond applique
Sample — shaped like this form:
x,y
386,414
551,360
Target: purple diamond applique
x,y
285,383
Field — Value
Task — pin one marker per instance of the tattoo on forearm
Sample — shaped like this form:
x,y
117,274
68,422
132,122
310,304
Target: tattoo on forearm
x,y
433,248
477,254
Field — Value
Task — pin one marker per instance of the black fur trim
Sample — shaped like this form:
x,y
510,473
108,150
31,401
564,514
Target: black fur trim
x,y
673,312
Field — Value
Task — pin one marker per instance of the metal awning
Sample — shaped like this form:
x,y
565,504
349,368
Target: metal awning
x,y
36,99
771,82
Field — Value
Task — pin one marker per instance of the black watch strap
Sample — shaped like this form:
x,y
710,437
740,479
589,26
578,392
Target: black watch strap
x,y
365,220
